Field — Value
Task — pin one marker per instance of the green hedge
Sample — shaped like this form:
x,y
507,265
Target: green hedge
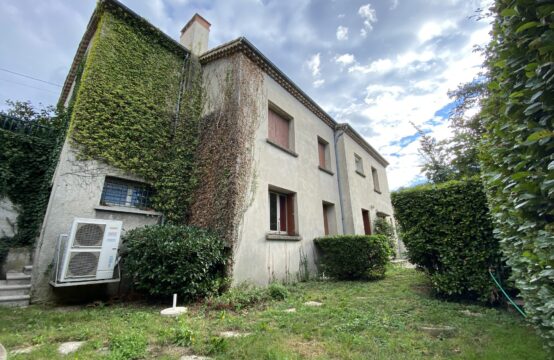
x,y
447,231
518,151
167,259
354,257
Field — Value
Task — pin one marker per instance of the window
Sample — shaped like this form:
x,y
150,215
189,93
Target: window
x,y
375,176
279,129
367,223
120,192
323,152
359,164
329,223
281,213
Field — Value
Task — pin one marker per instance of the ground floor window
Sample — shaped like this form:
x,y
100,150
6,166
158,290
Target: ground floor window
x,y
367,222
281,213
121,192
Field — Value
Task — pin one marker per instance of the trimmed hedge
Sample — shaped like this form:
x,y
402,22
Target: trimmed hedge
x,y
167,259
448,232
354,257
518,150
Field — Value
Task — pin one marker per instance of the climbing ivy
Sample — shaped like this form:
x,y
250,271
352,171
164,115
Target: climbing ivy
x,y
518,149
138,108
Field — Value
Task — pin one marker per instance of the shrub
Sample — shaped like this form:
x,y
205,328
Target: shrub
x,y
353,257
168,259
277,291
381,226
447,231
517,157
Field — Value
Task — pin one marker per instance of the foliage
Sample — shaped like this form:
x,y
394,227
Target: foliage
x,y
128,345
168,259
245,296
517,154
138,109
381,226
29,148
183,335
277,291
447,231
353,257
358,320
436,158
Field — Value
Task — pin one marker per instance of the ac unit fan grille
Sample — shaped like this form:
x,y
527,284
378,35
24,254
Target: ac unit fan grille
x,y
89,234
82,264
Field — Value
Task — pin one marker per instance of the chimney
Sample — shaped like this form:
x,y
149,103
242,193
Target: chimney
x,y
194,35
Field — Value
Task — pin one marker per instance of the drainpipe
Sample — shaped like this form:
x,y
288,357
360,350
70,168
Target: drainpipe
x,y
339,131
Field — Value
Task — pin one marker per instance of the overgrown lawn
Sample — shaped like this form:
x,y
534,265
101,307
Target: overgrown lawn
x,y
358,320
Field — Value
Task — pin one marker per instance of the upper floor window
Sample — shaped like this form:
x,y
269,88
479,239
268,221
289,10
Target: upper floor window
x,y
120,192
375,176
323,153
359,164
279,129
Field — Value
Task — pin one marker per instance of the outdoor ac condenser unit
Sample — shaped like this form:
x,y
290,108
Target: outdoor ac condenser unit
x,y
91,250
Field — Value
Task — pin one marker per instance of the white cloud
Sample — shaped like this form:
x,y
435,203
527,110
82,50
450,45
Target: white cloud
x,y
433,29
318,83
369,15
341,16
342,33
345,59
394,4
408,62
313,64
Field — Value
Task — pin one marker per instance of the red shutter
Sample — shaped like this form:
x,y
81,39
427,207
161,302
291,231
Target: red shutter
x,y
272,126
321,149
291,230
325,220
283,132
367,224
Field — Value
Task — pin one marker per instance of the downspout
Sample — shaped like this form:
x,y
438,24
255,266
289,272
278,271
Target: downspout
x,y
339,131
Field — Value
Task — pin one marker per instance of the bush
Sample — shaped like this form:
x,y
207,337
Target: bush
x,y
238,298
168,259
381,226
517,154
354,257
277,291
447,231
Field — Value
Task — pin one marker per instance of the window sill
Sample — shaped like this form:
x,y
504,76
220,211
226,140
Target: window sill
x,y
360,173
127,210
377,191
326,170
283,237
288,151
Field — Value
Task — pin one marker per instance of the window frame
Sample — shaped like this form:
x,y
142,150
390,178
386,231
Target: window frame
x,y
138,194
358,160
326,167
289,213
272,108
375,177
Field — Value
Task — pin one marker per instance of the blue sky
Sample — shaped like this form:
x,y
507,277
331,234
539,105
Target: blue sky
x,y
378,65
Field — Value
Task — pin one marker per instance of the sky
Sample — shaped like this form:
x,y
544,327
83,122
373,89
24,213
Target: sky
x,y
379,65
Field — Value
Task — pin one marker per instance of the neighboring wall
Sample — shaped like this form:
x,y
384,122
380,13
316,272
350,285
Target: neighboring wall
x,y
8,217
358,189
276,168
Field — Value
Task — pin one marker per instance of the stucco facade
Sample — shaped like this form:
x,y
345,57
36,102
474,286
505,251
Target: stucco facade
x,y
260,255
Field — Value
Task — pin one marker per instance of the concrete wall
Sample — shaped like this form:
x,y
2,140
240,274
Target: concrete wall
x,y
8,217
257,259
76,191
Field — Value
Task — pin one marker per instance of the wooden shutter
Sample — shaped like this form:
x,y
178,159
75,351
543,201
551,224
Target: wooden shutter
x,y
291,230
325,220
321,149
278,129
367,224
272,126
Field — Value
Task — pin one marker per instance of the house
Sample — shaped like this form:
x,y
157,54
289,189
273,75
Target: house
x,y
276,171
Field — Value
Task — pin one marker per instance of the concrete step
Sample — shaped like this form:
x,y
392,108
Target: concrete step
x,y
15,300
27,270
9,290
14,278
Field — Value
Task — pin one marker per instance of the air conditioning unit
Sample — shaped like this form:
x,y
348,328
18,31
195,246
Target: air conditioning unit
x,y
91,250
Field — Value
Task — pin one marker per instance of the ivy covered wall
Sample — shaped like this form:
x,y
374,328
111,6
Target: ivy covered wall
x,y
138,108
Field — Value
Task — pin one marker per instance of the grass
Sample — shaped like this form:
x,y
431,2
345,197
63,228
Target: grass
x,y
358,320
